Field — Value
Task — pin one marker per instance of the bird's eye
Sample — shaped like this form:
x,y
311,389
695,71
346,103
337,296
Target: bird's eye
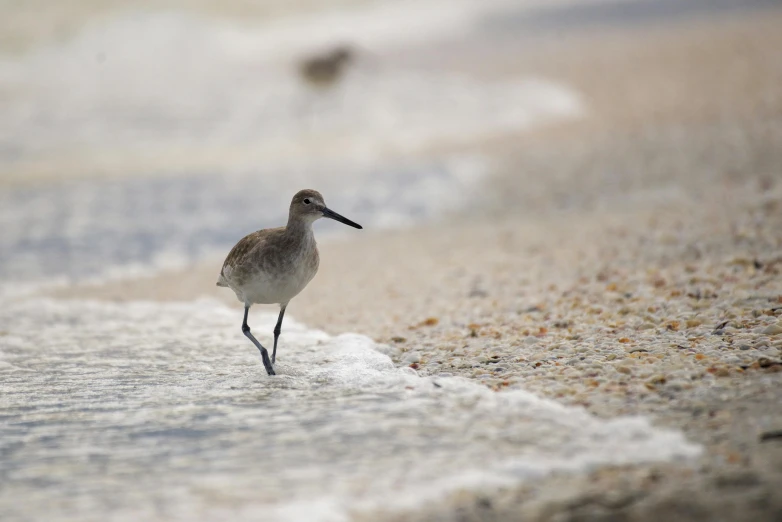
x,y
307,201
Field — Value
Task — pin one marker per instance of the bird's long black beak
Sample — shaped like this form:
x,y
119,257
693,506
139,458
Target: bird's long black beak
x,y
336,217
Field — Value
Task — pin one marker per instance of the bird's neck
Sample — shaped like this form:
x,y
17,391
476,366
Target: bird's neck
x,y
299,229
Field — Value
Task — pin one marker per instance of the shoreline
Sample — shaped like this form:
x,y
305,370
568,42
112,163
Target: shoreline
x,y
607,295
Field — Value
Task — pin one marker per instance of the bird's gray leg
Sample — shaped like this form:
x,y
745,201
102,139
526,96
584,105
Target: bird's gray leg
x,y
264,354
277,331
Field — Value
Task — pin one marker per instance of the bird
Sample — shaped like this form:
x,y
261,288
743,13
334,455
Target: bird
x,y
273,265
325,69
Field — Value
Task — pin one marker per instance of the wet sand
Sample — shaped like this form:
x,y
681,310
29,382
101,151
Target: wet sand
x,y
657,291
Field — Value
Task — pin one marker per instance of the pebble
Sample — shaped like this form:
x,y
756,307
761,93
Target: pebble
x,y
412,357
773,329
677,385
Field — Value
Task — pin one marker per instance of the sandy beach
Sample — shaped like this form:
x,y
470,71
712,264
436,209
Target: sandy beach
x,y
656,293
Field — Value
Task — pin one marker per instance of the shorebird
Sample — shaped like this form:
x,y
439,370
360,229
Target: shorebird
x,y
325,69
271,266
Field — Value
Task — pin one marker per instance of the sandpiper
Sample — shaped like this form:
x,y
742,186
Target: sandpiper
x,y
271,266
325,69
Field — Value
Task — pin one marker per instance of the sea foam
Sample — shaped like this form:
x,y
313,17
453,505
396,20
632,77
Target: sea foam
x,y
162,411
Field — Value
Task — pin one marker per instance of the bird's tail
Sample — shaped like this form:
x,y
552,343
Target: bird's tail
x,y
221,280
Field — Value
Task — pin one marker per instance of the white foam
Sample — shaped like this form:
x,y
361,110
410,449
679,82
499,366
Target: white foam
x,y
174,83
163,412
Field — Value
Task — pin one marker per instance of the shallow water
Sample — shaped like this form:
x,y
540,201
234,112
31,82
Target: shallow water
x,y
162,411
86,230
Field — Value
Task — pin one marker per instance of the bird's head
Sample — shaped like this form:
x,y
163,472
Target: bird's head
x,y
308,205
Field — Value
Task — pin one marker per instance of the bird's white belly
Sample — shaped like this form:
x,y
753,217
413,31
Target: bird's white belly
x,y
267,289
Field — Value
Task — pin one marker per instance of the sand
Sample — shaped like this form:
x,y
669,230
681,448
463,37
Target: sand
x,y
655,292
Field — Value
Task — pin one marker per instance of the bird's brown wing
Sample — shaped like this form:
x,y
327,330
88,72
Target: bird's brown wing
x,y
240,261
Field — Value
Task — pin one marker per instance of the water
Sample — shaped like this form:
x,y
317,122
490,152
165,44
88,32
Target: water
x,y
191,133
162,412
162,90
87,230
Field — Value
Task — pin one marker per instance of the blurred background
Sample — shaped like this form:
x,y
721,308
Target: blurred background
x,y
136,135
